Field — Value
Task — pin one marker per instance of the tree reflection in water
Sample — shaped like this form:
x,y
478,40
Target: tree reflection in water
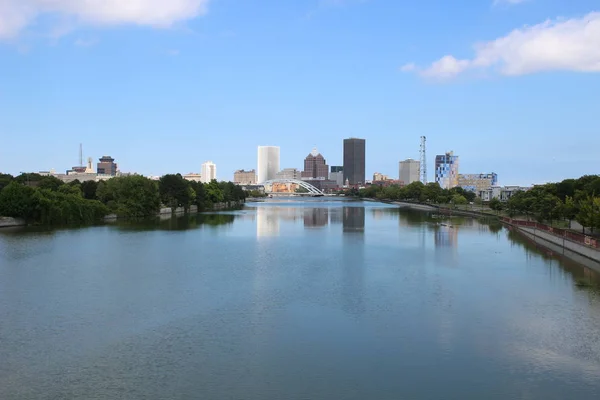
x,y
177,223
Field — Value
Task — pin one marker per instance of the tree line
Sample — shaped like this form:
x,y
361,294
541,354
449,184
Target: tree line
x,y
47,200
571,199
418,192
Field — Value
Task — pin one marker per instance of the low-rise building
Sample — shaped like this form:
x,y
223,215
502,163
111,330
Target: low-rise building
x,y
289,173
477,182
388,182
242,177
193,176
378,176
502,193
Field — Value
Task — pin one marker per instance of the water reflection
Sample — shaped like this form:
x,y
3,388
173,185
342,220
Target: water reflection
x,y
316,217
585,270
217,313
336,216
267,222
353,219
353,260
446,235
178,222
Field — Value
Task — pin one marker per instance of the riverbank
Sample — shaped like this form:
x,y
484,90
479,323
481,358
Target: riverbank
x,y
569,244
9,222
435,208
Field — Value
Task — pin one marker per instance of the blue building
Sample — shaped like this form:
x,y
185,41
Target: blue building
x,y
446,170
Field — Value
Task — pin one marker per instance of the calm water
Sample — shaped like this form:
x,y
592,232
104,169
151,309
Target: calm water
x,y
294,300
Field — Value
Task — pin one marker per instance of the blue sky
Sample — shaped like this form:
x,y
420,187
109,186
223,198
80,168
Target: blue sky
x,y
511,86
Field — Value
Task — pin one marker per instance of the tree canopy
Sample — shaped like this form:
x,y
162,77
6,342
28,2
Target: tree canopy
x,y
47,200
417,191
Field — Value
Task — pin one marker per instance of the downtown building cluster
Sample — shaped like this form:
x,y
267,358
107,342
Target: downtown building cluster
x,y
316,172
269,175
352,174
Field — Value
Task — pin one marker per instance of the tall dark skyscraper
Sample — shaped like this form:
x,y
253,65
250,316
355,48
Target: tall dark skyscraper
x,y
354,161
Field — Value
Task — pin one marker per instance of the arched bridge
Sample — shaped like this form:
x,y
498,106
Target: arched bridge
x,y
311,189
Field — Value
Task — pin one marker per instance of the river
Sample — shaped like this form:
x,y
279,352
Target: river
x,y
294,299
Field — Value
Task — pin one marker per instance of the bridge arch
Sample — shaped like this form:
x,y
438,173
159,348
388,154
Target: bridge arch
x,y
311,189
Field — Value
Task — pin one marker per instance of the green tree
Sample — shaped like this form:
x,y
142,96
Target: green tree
x,y
413,191
16,201
569,209
88,188
458,199
200,195
432,192
496,205
130,196
175,191
470,196
589,213
548,208
214,194
369,192
5,179
62,207
70,189
49,182
29,179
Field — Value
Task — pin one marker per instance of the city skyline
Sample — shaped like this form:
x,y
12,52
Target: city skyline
x,y
284,172
179,82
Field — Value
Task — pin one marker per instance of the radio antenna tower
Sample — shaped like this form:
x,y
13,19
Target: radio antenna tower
x,y
80,154
423,164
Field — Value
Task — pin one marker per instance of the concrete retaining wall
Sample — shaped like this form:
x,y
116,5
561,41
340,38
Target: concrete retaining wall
x,y
555,245
566,244
6,222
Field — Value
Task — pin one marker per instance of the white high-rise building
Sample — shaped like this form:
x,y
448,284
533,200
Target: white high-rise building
x,y
268,163
209,172
410,171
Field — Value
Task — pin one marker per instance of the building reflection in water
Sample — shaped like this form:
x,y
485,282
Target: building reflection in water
x,y
316,217
336,216
267,222
446,235
353,260
353,219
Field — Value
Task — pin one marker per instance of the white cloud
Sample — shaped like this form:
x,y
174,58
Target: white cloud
x,y
16,15
554,45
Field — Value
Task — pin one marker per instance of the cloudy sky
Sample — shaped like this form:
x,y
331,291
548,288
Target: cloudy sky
x,y
511,86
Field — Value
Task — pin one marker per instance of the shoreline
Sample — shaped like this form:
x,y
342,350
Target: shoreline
x,y
165,212
572,250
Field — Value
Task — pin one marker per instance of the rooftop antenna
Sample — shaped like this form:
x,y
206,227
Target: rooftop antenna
x,y
423,163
